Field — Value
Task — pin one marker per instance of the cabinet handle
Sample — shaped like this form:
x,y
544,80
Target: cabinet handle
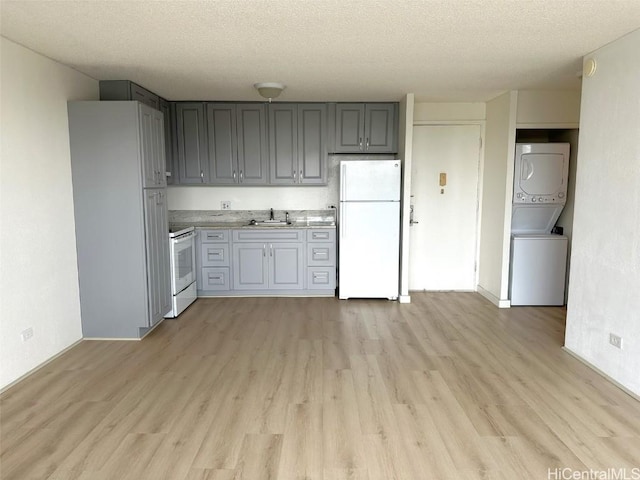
x,y
294,175
367,147
241,176
271,250
264,250
360,143
201,176
300,176
234,175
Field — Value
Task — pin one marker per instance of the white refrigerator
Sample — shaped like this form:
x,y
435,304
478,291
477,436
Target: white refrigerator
x,y
369,220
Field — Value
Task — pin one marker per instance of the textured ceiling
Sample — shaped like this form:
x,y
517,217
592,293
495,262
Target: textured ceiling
x,y
441,50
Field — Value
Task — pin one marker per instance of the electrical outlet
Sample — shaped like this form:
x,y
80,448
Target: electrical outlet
x,y
615,340
225,204
27,334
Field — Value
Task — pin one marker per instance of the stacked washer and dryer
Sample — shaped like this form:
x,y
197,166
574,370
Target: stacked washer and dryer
x,y
538,257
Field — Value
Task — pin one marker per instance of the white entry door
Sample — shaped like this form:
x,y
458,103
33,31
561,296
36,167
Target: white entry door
x,y
442,254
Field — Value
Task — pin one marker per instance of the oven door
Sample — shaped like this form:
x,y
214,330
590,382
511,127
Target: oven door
x,y
183,262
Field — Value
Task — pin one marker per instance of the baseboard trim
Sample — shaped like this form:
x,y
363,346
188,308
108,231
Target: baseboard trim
x,y
601,373
42,365
493,299
404,299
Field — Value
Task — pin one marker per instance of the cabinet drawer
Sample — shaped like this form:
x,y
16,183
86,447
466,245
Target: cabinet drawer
x,y
321,278
273,235
321,254
214,254
214,236
321,235
215,278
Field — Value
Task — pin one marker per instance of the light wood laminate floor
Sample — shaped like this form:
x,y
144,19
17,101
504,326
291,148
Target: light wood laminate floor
x,y
447,387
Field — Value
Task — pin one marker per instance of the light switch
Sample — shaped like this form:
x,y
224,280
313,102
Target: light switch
x,y
443,179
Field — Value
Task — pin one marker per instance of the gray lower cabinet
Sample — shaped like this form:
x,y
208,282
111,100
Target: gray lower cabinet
x,y
250,266
122,237
321,259
157,253
298,143
266,262
366,128
213,261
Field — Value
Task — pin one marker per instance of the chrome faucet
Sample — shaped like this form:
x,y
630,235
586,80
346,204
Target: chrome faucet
x,y
271,215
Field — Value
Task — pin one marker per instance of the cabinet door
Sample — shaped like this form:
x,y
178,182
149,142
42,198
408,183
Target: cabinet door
x,y
165,108
349,128
380,128
157,255
222,141
286,266
159,148
152,147
148,148
250,266
192,145
312,139
283,144
252,144
164,254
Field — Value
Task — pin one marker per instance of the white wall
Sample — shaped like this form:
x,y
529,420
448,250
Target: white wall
x,y
39,275
448,112
548,108
566,218
495,216
259,198
604,285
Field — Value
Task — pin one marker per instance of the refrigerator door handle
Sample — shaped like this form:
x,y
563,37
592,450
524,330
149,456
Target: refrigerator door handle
x,y
343,222
343,182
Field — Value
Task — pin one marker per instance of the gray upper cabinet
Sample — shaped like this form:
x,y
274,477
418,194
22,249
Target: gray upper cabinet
x,y
365,128
193,165
283,143
297,143
312,143
252,144
127,90
153,157
237,139
222,142
169,140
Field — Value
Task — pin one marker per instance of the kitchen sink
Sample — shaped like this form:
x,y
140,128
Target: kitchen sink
x,y
269,223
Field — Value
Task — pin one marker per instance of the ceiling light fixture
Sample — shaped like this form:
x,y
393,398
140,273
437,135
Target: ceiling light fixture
x,y
269,90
